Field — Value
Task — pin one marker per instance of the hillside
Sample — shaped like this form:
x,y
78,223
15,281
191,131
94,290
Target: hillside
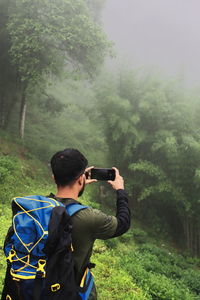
x,y
134,266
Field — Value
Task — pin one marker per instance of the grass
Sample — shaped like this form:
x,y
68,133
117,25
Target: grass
x,y
132,267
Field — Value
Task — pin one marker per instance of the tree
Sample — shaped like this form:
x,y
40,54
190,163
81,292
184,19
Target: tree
x,y
47,37
8,74
152,135
60,119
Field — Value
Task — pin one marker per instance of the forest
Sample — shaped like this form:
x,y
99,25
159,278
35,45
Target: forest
x,y
56,92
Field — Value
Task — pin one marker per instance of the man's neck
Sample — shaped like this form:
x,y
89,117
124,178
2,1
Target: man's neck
x,y
63,192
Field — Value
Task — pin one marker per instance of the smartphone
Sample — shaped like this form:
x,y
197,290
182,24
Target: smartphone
x,y
103,174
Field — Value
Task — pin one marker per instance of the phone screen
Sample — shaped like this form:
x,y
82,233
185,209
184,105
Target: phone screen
x,y
103,174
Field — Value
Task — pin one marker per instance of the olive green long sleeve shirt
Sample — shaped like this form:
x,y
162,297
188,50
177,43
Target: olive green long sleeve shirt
x,y
90,224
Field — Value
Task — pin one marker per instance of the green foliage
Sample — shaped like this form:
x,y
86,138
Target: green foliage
x,y
127,267
153,137
112,281
154,171
157,272
66,123
160,273
7,167
9,170
41,40
43,34
139,235
191,279
8,82
5,222
18,177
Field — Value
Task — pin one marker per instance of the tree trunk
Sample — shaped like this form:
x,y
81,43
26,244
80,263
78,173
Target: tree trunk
x,y
195,242
192,235
9,112
22,114
197,238
187,232
2,111
198,248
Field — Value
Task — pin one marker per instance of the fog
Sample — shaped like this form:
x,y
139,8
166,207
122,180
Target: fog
x,y
156,34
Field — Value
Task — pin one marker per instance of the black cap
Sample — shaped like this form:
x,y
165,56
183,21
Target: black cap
x,y
67,165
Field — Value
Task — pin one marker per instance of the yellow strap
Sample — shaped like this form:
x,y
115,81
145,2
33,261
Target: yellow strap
x,y
83,278
24,211
17,276
15,279
41,265
12,253
26,263
8,297
55,287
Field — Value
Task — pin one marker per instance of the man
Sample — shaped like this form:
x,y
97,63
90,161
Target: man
x,y
69,169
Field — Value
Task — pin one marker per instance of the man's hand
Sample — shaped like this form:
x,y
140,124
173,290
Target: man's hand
x,y
118,183
88,180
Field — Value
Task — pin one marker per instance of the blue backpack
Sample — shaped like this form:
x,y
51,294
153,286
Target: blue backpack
x,y
39,252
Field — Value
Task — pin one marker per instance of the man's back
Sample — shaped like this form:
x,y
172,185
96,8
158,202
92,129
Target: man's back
x,y
88,225
91,224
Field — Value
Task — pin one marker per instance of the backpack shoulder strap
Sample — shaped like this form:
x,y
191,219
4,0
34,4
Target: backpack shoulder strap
x,y
73,208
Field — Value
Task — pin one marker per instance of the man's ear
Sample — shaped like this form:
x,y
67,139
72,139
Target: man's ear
x,y
52,176
81,179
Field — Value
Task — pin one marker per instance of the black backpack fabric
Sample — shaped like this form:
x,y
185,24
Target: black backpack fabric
x,y
60,277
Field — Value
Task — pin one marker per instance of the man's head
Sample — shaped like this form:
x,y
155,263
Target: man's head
x,y
67,166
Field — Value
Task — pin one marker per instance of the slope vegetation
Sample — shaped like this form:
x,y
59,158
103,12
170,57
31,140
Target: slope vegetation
x,y
135,266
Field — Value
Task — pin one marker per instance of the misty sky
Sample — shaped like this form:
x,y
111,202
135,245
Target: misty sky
x,y
157,33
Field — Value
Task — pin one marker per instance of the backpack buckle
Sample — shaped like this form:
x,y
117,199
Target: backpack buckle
x,y
55,287
40,272
12,253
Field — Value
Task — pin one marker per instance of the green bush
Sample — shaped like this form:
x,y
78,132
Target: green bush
x,y
156,285
8,167
162,274
113,282
112,243
161,287
5,222
125,270
139,235
191,278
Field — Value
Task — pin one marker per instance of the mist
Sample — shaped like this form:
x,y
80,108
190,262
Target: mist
x,y
138,111
156,34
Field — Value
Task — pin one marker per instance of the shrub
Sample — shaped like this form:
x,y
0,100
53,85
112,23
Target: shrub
x,y
8,166
161,274
139,235
113,282
5,222
191,278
